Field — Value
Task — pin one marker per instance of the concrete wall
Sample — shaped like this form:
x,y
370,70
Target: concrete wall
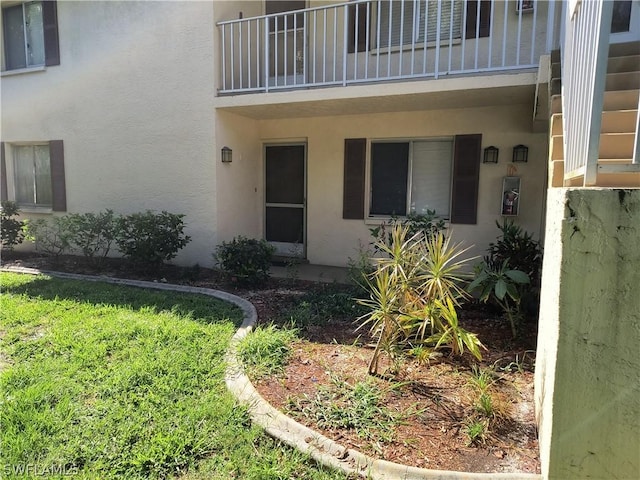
x,y
132,99
332,240
588,360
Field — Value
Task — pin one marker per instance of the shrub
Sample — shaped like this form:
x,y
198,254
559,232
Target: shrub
x,y
413,295
151,238
11,228
245,260
501,286
518,248
93,234
427,223
52,237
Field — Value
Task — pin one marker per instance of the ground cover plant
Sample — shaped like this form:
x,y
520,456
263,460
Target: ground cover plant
x,y
104,381
452,424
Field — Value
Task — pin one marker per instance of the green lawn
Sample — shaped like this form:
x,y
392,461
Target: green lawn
x,y
105,381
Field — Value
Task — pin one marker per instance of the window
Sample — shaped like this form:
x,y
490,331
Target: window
x,y
410,20
30,35
411,177
441,175
37,174
32,175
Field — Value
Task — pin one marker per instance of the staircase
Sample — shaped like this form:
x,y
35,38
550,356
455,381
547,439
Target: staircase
x,y
619,117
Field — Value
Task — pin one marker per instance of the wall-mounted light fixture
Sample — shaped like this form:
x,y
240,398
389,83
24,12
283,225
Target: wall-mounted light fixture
x,y
227,155
491,154
520,154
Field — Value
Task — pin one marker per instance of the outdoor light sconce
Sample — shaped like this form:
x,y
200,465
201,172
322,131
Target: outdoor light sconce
x,y
491,154
520,154
227,155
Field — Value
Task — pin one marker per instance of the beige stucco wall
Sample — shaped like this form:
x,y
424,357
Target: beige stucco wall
x,y
332,240
588,361
132,99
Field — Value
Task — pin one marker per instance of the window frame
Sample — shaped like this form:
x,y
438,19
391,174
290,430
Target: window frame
x,y
14,165
377,218
50,38
57,177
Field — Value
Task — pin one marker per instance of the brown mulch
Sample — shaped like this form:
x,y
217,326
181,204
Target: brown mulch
x,y
436,397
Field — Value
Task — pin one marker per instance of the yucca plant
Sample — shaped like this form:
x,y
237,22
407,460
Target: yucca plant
x,y
415,276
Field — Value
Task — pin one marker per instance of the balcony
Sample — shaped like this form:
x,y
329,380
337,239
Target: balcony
x,y
372,41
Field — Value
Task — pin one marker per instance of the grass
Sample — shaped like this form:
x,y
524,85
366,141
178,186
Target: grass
x,y
266,351
105,381
360,407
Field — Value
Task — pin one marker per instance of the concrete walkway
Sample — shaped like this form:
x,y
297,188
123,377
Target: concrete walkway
x,y
314,273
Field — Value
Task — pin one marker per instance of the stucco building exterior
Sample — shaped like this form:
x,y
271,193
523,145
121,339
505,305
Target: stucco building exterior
x,y
336,116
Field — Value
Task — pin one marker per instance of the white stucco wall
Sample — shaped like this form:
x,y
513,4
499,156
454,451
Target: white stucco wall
x,y
588,362
332,240
132,99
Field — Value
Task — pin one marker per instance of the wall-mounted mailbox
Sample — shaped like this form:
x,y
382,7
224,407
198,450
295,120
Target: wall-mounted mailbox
x,y
510,196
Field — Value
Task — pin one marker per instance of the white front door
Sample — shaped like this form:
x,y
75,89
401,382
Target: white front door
x,y
625,25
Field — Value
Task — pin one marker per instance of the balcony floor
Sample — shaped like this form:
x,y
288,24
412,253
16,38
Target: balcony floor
x,y
443,93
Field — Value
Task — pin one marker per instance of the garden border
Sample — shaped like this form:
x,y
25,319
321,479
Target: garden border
x,y
322,449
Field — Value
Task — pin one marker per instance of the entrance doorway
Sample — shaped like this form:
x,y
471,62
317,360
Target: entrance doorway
x,y
285,199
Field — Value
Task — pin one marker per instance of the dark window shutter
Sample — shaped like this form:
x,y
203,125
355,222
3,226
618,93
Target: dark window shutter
x,y
355,151
466,174
50,28
58,187
472,18
357,39
3,175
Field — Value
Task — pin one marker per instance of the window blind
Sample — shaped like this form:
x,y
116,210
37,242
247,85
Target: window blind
x,y
431,176
410,19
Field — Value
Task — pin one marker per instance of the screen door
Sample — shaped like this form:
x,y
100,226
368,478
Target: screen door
x,y
285,187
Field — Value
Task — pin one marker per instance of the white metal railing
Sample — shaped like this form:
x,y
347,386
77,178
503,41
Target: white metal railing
x,y
584,68
375,40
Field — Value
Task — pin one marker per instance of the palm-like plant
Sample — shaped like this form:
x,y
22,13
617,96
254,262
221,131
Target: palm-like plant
x,y
416,284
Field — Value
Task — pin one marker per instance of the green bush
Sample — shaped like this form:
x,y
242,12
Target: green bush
x,y
52,237
427,223
414,292
11,229
151,238
518,248
245,260
93,234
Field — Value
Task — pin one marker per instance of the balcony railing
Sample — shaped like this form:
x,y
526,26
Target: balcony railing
x,y
375,40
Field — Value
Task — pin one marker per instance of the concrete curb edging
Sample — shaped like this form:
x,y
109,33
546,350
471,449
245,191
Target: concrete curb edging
x,y
322,449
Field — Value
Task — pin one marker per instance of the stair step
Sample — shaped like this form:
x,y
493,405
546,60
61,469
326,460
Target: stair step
x,y
614,147
555,87
555,56
621,100
556,124
556,70
622,81
613,100
624,49
556,104
556,173
619,121
629,63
